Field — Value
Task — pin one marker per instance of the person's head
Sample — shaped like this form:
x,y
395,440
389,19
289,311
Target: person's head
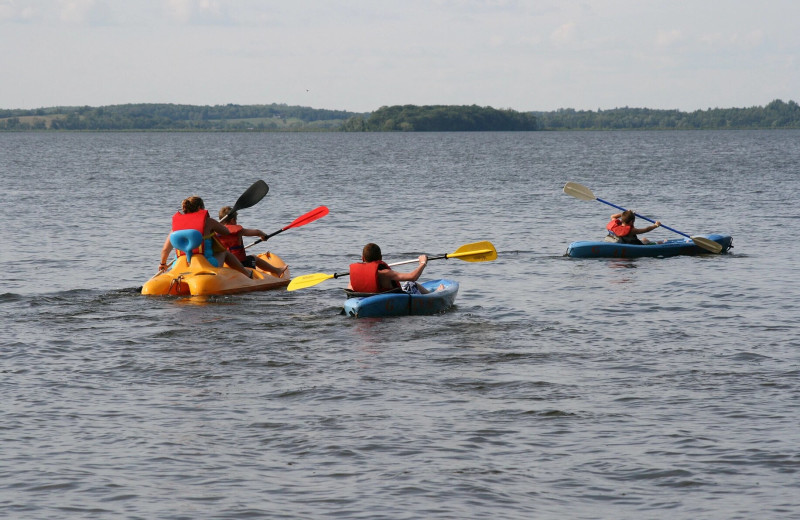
x,y
192,204
628,217
371,253
224,211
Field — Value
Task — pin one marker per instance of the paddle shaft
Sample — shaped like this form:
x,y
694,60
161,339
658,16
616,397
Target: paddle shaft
x,y
642,217
404,262
339,275
453,255
265,238
302,220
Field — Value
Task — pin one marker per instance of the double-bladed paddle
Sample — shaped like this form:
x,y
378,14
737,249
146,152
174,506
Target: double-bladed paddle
x,y
249,198
581,192
475,252
309,217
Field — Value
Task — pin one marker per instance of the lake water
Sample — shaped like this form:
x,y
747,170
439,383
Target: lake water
x,y
556,388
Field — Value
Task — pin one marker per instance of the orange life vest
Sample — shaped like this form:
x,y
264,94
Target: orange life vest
x,y
233,242
618,228
364,277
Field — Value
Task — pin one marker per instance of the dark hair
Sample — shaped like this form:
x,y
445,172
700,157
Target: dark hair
x,y
192,204
628,216
371,252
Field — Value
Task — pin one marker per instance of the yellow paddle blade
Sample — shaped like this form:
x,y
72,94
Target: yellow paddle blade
x,y
308,280
707,244
475,252
579,191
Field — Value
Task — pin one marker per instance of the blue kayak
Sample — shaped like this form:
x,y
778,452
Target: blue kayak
x,y
681,246
401,303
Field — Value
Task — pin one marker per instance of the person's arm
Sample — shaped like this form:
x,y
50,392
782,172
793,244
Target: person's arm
x,y
165,249
616,215
639,231
413,276
254,233
216,227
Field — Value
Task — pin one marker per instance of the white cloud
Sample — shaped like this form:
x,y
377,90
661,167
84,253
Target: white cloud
x,y
564,34
755,38
179,10
746,40
201,12
668,38
12,11
75,11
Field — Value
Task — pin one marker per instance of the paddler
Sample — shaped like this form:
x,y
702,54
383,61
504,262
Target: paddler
x,y
621,228
373,275
193,215
234,243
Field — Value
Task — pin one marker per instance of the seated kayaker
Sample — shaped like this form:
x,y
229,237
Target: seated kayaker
x,y
233,242
193,215
621,228
373,275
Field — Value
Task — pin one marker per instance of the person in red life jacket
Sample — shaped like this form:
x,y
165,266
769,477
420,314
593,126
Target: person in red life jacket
x,y
193,215
621,228
233,242
373,275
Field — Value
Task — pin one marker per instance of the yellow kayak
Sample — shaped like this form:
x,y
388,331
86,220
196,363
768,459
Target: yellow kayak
x,y
201,278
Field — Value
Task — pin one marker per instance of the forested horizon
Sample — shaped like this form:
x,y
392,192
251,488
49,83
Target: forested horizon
x,y
397,118
776,114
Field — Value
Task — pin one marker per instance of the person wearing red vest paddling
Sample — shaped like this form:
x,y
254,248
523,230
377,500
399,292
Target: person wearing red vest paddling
x,y
621,228
373,275
233,242
193,215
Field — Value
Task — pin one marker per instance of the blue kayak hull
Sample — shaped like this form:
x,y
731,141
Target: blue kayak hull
x,y
682,246
402,304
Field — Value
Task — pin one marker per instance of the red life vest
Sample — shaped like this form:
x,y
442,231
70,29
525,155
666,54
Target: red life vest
x,y
364,277
618,228
233,242
196,220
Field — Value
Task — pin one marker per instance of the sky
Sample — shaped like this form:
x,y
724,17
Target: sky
x,y
359,55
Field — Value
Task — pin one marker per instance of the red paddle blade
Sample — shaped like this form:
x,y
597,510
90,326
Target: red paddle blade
x,y
309,217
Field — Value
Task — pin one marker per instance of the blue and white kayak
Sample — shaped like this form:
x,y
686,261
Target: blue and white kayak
x,y
681,246
403,304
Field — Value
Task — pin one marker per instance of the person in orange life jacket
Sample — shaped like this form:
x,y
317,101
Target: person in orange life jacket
x,y
621,228
193,215
373,275
233,242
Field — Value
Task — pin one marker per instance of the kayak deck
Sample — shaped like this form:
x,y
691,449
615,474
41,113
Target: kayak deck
x,y
201,278
404,304
683,246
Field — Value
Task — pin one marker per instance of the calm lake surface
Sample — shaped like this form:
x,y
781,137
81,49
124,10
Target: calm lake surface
x,y
556,388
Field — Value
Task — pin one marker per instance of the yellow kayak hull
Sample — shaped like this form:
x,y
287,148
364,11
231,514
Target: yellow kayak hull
x,y
201,278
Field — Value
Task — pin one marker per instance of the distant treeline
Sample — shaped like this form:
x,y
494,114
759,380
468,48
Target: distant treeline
x,y
776,114
441,118
175,117
405,118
